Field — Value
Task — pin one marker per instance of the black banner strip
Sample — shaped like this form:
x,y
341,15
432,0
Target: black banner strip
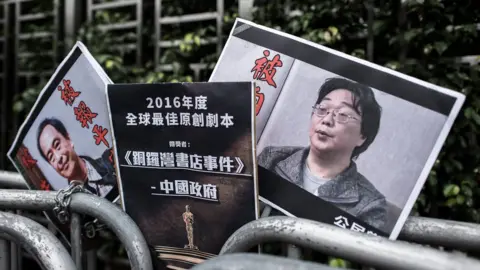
x,y
302,203
385,82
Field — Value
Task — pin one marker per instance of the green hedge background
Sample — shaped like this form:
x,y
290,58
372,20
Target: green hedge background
x,y
423,39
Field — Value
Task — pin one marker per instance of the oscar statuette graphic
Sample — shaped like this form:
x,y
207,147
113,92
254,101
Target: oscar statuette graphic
x,y
178,258
188,219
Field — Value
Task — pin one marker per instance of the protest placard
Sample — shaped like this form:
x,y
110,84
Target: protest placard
x,y
339,139
186,159
66,136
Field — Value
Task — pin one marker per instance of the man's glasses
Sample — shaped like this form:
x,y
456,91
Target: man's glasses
x,y
337,116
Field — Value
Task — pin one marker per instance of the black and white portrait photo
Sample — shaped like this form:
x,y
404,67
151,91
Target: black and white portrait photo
x,y
344,122
340,140
57,148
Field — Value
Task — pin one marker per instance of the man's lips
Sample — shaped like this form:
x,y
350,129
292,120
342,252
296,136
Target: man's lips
x,y
323,133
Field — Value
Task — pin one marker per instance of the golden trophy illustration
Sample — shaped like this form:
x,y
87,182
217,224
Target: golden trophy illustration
x,y
188,219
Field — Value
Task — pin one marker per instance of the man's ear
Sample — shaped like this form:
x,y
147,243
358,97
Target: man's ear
x,y
361,140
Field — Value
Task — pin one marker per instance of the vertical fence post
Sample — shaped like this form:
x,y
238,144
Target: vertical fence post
x,y
16,251
16,89
91,260
245,9
4,86
71,21
402,21
220,11
139,32
158,33
76,239
4,254
370,36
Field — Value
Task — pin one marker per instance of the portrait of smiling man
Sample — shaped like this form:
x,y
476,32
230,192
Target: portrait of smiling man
x,y
56,147
344,122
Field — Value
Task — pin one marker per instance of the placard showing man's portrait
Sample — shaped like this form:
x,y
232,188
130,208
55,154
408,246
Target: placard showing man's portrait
x,y
66,136
340,140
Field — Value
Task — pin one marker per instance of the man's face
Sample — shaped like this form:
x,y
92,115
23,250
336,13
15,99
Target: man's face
x,y
328,135
59,151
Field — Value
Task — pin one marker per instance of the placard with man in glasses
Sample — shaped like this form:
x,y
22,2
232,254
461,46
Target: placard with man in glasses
x,y
339,140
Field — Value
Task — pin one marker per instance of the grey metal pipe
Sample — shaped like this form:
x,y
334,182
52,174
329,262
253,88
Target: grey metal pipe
x,y
453,234
76,239
91,257
16,252
294,252
447,233
4,254
12,180
359,247
40,242
245,261
266,211
111,215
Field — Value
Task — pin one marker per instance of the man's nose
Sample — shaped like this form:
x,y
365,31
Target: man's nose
x,y
328,119
57,158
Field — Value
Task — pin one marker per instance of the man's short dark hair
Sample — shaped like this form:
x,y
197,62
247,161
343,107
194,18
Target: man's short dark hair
x,y
364,104
57,124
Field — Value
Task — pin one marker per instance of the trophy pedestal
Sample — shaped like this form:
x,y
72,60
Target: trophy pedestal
x,y
181,258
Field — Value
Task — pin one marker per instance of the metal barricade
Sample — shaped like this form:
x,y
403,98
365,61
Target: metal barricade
x,y
331,240
452,234
12,180
105,211
358,247
422,230
39,241
245,261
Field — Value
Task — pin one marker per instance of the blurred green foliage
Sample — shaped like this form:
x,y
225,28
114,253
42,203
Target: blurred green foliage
x,y
419,38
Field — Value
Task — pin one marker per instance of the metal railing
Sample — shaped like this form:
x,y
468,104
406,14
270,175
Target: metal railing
x,y
457,235
105,211
439,232
215,17
297,233
26,33
134,24
38,240
362,248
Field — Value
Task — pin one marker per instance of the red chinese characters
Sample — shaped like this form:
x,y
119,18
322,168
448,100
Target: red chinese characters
x,y
27,160
259,98
44,185
264,69
68,93
100,134
84,114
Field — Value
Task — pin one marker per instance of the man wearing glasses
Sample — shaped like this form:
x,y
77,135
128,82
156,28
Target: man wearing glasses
x,y
344,122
